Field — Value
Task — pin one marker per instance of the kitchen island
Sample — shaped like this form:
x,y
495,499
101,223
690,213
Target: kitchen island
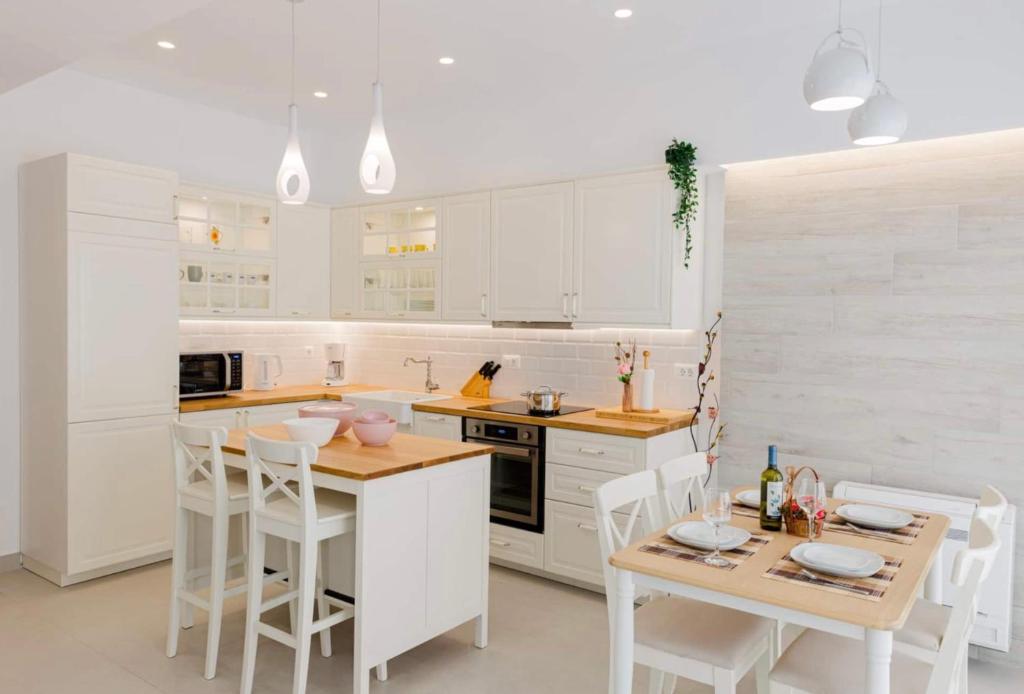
x,y
420,559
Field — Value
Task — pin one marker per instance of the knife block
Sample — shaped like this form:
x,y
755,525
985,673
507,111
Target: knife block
x,y
476,387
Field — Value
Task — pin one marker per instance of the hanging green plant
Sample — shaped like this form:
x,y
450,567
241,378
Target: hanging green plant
x,y
681,157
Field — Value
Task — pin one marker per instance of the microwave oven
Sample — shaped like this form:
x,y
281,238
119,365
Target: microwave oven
x,y
203,374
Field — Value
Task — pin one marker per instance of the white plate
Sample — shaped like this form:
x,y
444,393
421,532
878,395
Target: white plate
x,y
750,497
874,516
837,560
702,536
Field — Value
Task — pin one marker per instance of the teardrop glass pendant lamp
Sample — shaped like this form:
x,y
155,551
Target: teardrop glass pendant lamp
x,y
292,177
377,166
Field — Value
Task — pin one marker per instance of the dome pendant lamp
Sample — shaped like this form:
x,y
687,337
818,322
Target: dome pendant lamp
x,y
292,177
840,76
377,167
882,119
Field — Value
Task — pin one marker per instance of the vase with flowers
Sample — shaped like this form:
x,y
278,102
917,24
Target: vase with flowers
x,y
625,359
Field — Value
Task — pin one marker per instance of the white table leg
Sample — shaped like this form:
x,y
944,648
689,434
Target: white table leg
x,y
878,650
622,640
933,582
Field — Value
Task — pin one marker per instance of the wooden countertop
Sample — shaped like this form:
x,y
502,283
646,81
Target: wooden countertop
x,y
277,396
344,456
579,421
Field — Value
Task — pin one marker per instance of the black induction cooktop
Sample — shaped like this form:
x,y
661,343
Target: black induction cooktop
x,y
521,408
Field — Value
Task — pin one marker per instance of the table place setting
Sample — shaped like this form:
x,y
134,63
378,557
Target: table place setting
x,y
878,522
836,568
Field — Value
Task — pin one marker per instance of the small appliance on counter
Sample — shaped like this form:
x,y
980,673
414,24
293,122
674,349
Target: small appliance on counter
x,y
204,374
266,378
335,354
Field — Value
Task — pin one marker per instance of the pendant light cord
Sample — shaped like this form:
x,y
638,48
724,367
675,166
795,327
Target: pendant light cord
x,y
878,57
293,51
839,22
378,40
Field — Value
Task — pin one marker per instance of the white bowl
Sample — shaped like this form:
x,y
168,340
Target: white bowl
x,y
316,430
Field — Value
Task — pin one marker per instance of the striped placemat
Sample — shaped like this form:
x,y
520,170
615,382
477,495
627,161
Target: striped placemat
x,y
738,510
904,536
665,546
872,588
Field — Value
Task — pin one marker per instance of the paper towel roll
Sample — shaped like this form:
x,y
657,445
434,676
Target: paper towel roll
x,y
645,380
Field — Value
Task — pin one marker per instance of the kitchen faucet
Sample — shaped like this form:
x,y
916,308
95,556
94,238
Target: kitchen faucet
x,y
430,386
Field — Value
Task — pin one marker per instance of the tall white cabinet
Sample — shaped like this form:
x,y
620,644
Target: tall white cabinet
x,y
467,258
303,261
99,296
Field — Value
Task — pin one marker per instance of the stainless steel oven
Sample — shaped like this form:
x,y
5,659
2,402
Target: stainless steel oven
x,y
517,470
202,374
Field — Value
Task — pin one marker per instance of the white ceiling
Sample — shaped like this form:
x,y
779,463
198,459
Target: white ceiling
x,y
548,88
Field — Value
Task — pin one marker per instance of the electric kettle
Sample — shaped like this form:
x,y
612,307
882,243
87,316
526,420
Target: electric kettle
x,y
266,379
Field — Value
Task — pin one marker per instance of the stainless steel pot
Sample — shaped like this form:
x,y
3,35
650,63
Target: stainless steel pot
x,y
544,399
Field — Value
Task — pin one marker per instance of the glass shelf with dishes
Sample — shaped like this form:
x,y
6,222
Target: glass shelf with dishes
x,y
212,284
407,291
400,231
213,220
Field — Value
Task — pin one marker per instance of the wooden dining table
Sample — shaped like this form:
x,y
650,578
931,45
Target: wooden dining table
x,y
747,588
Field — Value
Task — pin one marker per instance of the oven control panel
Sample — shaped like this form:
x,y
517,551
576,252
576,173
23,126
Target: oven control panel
x,y
491,430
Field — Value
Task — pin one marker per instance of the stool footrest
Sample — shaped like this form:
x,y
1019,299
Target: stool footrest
x,y
270,632
281,599
336,618
193,599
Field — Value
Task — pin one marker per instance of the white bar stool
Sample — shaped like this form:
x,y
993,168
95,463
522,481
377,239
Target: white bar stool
x,y
202,486
288,507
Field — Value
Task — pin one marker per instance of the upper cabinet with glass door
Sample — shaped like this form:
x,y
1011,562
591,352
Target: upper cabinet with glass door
x,y
219,221
407,230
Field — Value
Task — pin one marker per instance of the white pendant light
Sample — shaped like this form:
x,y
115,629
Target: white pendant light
x,y
292,177
840,76
377,166
882,119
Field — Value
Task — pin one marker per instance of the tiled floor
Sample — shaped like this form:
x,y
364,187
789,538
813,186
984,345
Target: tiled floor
x,y
107,637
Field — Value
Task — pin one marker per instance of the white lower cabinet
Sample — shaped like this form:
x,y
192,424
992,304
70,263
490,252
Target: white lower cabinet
x,y
517,546
244,417
571,546
120,491
438,426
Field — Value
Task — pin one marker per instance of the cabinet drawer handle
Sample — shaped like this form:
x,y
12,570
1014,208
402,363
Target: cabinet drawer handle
x,y
565,304
483,305
587,527
575,301
592,451
585,489
499,543
434,418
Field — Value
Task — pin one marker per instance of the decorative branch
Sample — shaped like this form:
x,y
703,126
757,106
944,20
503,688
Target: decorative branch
x,y
681,157
704,378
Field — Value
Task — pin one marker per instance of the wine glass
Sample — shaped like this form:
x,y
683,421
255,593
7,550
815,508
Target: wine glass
x,y
810,497
717,511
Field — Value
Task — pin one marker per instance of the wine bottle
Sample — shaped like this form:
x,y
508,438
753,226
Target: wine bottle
x,y
771,493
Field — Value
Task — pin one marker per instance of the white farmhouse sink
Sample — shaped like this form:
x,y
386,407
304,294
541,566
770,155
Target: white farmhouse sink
x,y
397,403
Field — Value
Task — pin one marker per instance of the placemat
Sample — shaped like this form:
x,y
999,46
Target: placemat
x,y
665,546
872,588
738,510
904,536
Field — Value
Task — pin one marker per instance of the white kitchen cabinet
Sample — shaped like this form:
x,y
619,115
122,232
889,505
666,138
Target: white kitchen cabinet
x,y
345,279
221,221
622,250
571,547
116,189
122,332
467,257
531,253
303,261
226,285
244,417
120,491
516,546
405,290
402,230
438,426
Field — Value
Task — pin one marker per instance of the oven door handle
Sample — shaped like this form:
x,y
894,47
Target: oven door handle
x,y
531,453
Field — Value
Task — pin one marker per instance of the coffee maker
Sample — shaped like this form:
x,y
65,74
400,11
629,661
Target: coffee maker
x,y
335,353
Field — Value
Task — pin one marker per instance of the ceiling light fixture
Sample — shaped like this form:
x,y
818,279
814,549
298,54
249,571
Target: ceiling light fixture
x,y
320,95
624,13
377,166
840,77
446,60
166,45
882,119
292,178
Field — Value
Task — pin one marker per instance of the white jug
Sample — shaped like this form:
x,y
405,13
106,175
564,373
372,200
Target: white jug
x,y
265,380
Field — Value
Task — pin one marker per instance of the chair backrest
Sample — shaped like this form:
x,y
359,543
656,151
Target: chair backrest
x,y
991,507
970,567
273,465
197,453
682,485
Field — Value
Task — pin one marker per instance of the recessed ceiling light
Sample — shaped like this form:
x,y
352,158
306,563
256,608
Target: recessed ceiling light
x,y
166,45
320,95
446,60
624,13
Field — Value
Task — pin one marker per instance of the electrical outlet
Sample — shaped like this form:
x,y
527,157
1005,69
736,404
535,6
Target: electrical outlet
x,y
512,361
309,350
685,370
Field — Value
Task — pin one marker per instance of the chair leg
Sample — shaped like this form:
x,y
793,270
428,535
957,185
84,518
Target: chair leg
x,y
307,596
670,683
323,610
187,613
179,565
293,581
657,681
725,681
257,548
762,670
218,576
963,672
382,672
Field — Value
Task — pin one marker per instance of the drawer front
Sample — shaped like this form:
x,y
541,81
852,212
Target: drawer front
x,y
438,426
571,547
515,545
574,485
616,454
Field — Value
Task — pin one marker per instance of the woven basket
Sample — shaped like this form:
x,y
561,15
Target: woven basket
x,y
792,514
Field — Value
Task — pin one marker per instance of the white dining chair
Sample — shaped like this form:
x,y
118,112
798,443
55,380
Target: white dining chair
x,y
203,487
821,663
682,485
681,637
284,504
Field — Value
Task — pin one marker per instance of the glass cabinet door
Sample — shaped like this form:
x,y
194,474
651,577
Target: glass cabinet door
x,y
219,221
400,291
399,232
212,284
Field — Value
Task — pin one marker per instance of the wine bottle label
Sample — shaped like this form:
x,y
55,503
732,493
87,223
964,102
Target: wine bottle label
x,y
773,499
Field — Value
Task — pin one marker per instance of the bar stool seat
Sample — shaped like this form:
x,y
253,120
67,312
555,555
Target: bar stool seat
x,y
237,486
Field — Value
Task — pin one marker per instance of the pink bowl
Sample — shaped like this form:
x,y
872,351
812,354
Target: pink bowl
x,y
374,433
374,416
344,412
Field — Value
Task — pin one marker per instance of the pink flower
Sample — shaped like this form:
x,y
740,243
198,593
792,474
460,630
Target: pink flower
x,y
712,459
713,412
624,369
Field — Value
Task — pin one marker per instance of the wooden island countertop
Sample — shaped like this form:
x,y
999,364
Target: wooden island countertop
x,y
277,396
344,456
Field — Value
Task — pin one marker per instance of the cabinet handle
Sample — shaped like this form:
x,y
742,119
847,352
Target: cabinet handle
x,y
483,305
245,419
175,206
300,313
174,396
575,301
222,310
499,543
591,451
585,489
434,419
587,527
565,304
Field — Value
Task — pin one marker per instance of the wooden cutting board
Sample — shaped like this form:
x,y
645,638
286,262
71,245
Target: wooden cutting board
x,y
659,417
